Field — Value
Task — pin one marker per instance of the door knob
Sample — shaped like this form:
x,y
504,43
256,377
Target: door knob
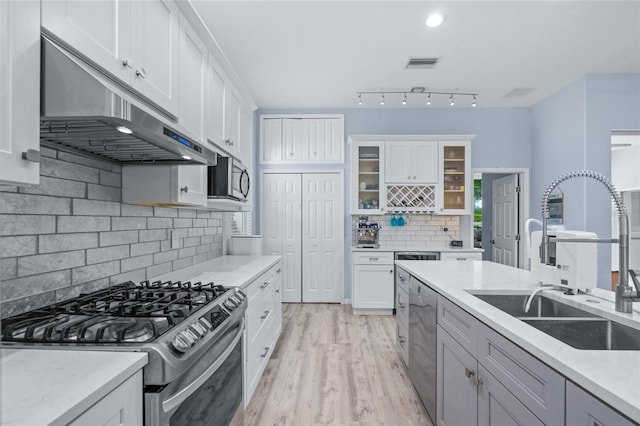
x,y
492,241
184,189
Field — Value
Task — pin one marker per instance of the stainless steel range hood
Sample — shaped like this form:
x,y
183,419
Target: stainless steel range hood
x,y
83,109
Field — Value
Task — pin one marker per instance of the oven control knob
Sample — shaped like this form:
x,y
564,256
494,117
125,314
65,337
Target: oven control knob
x,y
229,305
240,296
205,324
194,332
181,342
200,328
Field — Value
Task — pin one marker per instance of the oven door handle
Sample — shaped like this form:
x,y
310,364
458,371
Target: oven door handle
x,y
176,400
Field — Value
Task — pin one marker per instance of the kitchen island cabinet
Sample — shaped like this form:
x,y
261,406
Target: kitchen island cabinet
x,y
532,366
373,275
583,409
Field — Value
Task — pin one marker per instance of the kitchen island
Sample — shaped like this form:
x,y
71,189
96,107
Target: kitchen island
x,y
612,376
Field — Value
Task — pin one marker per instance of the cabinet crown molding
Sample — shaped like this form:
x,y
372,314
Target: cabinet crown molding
x,y
395,137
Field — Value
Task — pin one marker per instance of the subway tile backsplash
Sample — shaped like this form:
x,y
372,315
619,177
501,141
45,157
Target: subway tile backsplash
x,y
420,231
72,234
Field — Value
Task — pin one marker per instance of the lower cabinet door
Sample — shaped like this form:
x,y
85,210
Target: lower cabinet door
x,y
456,390
373,287
583,409
498,407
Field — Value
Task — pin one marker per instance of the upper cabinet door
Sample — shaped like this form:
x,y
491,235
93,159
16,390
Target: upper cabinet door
x,y
246,127
20,91
215,107
191,185
271,139
155,48
292,132
193,79
424,162
398,162
231,122
98,30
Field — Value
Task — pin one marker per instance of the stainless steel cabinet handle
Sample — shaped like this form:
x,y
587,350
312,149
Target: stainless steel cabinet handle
x,y
472,375
32,155
401,339
373,259
469,373
391,271
126,62
266,284
278,271
184,189
266,314
403,279
141,73
278,290
408,177
264,354
401,305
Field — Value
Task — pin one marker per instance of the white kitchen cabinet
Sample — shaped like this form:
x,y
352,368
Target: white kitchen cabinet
x,y
583,409
302,139
122,406
19,92
373,278
456,180
411,162
245,137
263,319
164,185
368,193
215,104
460,256
193,82
135,41
232,143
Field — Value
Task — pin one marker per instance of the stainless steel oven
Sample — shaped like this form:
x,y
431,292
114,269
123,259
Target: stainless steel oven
x,y
191,332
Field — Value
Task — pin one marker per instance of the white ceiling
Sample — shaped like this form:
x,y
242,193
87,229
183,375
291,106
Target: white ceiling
x,y
317,54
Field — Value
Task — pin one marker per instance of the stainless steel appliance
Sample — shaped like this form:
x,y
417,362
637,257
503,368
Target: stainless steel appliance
x,y
192,333
417,255
423,316
84,110
367,234
228,179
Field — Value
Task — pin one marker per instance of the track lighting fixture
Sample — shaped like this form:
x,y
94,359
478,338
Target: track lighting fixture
x,y
420,91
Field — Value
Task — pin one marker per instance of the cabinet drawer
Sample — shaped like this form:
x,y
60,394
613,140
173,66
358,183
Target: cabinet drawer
x,y
402,279
402,305
534,384
460,256
258,353
459,324
259,286
373,258
259,315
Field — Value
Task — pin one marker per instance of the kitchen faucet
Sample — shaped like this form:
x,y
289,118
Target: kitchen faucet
x,y
624,292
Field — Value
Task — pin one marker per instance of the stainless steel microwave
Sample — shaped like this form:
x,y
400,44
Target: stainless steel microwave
x,y
228,179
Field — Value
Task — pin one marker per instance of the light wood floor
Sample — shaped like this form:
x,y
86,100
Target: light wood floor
x,y
333,368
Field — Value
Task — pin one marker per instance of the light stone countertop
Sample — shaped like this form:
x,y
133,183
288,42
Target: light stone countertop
x,y
53,387
230,271
613,376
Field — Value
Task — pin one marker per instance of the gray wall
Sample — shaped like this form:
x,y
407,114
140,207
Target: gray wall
x,y
72,234
572,131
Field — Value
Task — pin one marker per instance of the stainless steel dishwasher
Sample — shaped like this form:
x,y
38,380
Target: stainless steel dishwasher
x,y
423,315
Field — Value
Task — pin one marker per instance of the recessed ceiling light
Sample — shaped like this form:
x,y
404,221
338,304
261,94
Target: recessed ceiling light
x,y
434,20
186,157
124,130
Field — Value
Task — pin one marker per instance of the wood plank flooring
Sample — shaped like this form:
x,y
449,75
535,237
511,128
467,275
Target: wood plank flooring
x,y
333,368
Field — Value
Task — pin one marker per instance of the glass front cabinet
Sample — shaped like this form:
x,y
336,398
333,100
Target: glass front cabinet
x,y
455,178
367,164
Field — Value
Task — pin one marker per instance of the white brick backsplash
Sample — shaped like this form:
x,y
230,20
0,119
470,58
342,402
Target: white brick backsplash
x,y
68,224
14,203
420,231
93,272
65,242
31,265
26,224
115,238
145,248
57,187
105,254
136,262
17,246
95,208
128,223
71,234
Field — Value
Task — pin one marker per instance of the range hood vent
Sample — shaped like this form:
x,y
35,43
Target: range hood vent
x,y
85,111
421,63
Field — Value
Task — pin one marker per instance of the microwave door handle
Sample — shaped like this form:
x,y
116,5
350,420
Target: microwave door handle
x,y
245,193
176,400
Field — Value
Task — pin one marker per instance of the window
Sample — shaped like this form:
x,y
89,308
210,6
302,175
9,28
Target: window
x,y
241,223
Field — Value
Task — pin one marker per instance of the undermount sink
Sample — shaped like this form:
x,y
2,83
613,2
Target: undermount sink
x,y
541,306
572,326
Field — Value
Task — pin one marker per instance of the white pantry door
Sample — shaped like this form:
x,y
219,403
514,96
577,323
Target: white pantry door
x,y
322,237
281,228
504,245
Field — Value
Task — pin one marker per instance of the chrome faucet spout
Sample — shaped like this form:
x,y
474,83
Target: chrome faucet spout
x,y
624,292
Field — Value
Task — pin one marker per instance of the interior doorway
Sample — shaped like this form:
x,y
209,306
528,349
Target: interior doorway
x,y
500,214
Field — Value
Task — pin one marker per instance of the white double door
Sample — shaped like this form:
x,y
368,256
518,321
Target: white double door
x,y
303,221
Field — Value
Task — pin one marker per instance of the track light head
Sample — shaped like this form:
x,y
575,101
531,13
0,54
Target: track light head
x,y
451,101
382,100
404,100
359,98
473,103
